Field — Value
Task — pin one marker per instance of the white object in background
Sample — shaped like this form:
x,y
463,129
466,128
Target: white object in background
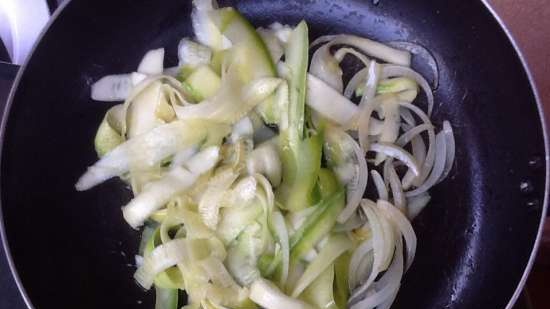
x,y
21,22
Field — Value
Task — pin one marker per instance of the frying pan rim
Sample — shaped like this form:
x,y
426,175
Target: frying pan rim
x,y
542,118
519,53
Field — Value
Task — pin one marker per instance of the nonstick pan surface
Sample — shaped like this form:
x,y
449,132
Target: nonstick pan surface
x,y
476,239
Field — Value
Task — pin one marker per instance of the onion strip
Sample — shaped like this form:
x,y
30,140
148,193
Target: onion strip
x,y
395,70
397,153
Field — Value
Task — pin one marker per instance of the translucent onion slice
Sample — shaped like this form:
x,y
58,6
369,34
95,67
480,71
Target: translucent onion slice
x,y
152,63
356,80
422,53
450,148
387,286
389,236
430,155
395,70
273,44
397,190
369,47
404,226
265,160
390,128
407,116
354,222
379,248
193,54
380,185
419,153
438,167
205,30
373,76
398,153
407,137
342,52
326,68
356,187
112,88
416,204
358,256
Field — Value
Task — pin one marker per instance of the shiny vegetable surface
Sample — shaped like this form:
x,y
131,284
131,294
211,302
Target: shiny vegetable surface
x,y
250,164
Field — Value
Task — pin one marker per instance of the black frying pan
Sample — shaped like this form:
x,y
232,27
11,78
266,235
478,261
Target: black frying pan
x,y
73,249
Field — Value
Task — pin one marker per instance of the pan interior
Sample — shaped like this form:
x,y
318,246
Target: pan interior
x,y
74,249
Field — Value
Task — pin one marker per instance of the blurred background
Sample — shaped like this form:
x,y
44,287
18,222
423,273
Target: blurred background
x,y
21,22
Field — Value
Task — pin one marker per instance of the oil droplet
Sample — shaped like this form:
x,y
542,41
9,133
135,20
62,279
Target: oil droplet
x,y
526,187
533,204
535,162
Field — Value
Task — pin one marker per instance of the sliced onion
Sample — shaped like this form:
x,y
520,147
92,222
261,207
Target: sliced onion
x,y
430,156
193,54
387,286
407,116
397,190
369,47
450,148
416,204
152,63
407,137
380,185
205,30
355,188
397,153
379,247
419,153
356,80
358,256
354,222
395,70
373,76
273,44
325,67
404,226
363,122
265,160
389,235
390,129
112,88
424,54
439,166
342,52
282,32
